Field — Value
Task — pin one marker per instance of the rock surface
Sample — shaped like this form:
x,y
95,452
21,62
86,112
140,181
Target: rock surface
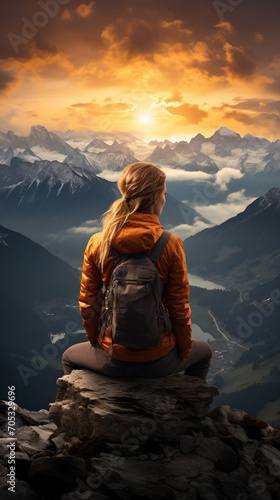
x,y
142,439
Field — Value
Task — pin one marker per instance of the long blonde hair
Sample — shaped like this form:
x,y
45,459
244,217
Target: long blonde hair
x,y
139,184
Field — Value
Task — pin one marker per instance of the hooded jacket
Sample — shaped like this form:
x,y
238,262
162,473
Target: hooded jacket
x,y
139,234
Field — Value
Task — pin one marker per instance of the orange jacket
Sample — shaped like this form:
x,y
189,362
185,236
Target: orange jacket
x,y
139,234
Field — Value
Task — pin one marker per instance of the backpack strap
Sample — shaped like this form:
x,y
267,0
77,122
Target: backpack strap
x,y
117,256
159,246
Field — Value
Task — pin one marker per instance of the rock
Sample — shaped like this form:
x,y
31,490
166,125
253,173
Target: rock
x,y
130,478
56,474
33,417
187,444
269,457
33,439
91,406
221,454
140,438
23,490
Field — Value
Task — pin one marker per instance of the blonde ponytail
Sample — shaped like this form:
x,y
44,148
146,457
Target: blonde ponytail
x,y
139,184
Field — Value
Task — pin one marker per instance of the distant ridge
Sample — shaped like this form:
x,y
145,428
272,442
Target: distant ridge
x,y
242,248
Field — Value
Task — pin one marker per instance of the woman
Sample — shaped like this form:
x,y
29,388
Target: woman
x,y
131,225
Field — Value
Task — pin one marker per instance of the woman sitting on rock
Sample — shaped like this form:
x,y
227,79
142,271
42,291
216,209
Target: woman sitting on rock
x,y
131,226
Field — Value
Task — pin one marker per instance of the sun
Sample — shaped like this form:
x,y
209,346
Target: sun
x,y
145,119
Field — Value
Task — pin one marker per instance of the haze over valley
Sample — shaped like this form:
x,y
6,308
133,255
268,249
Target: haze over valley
x,y
223,201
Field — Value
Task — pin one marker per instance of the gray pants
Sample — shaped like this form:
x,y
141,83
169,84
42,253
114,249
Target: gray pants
x,y
86,356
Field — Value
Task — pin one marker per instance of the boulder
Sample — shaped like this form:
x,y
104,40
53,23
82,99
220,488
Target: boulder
x,y
91,406
107,438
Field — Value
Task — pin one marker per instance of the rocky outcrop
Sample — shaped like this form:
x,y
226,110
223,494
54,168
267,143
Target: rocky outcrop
x,y
107,438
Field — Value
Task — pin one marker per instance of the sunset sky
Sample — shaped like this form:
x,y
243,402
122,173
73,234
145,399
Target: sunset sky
x,y
156,68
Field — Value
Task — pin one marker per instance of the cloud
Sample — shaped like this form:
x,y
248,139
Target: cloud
x,y
88,227
172,174
190,112
225,26
66,15
85,10
108,107
224,176
142,51
240,64
7,80
220,212
185,230
178,174
132,35
256,105
109,175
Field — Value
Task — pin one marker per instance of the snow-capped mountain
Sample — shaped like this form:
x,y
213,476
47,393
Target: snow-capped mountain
x,y
85,149
181,156
113,150
224,149
52,202
115,157
39,135
46,197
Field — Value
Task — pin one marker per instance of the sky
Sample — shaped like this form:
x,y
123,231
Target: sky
x,y
156,68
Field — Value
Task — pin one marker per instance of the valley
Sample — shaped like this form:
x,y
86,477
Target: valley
x,y
223,201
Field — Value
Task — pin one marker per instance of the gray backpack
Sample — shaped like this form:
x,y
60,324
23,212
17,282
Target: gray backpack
x,y
132,307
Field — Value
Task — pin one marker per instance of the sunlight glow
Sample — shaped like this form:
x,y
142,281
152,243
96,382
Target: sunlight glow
x,y
145,118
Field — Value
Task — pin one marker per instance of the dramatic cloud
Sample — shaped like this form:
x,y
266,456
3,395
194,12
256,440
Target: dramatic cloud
x,y
182,62
240,64
7,80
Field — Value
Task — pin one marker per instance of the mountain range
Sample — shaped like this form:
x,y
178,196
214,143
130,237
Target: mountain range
x,y
57,203
109,150
244,249
39,294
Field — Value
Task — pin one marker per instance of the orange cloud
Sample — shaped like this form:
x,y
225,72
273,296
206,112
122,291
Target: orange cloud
x,y
191,112
226,26
109,107
258,37
66,15
85,10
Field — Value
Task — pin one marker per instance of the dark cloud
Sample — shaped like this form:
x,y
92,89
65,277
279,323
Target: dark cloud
x,y
6,79
141,28
240,64
255,105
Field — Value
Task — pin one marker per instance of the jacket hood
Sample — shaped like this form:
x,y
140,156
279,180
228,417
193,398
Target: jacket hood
x,y
139,234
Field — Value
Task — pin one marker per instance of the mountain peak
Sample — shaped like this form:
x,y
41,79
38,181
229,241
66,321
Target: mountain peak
x,y
272,196
226,132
